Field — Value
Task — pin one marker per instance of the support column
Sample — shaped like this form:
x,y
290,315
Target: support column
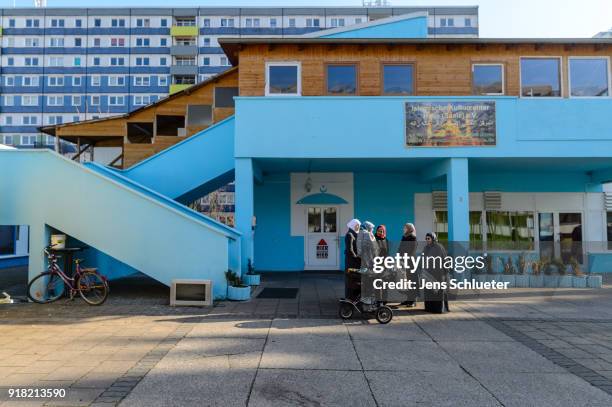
x,y
245,208
40,236
458,196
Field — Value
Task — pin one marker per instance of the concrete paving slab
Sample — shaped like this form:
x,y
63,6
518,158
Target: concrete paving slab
x,y
236,328
542,389
453,330
401,329
508,357
435,389
412,356
279,388
197,346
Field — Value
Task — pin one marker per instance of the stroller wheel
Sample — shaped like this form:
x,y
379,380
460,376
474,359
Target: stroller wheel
x,y
384,315
346,311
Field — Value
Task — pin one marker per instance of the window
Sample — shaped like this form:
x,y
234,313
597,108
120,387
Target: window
x,y
163,42
56,42
32,23
9,100
589,77
224,61
283,79
117,61
206,42
98,22
56,61
451,22
162,61
95,100
78,23
32,42
227,22
443,22
97,42
95,80
540,77
117,42
467,22
55,101
78,42
11,61
142,81
55,119
30,80
76,118
164,22
163,81
206,61
96,61
292,22
273,23
116,80
488,79
141,100
341,79
117,22
56,81
143,42
185,61
115,100
510,230
28,100
313,22
8,120
9,81
12,23
8,140
206,22
28,140
249,22
76,80
142,61
398,79
29,120
76,100
57,23
30,61
76,61
143,22
10,42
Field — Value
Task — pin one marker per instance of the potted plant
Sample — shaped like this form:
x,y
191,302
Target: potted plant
x,y
521,279
564,280
236,290
251,278
536,279
509,270
551,276
579,279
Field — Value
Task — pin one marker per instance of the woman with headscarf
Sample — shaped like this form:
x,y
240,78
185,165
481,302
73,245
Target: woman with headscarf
x,y
351,259
382,241
408,245
434,255
367,248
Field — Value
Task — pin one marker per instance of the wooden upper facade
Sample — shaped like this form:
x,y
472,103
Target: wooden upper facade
x,y
439,69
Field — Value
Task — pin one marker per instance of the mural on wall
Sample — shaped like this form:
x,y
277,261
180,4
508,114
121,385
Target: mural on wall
x,y
450,124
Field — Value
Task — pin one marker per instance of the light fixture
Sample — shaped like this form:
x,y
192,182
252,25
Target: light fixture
x,y
308,184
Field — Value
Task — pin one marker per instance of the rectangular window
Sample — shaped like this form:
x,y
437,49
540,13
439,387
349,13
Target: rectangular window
x,y
341,79
206,42
9,100
116,80
76,81
76,101
97,22
589,77
8,120
96,61
248,23
78,42
224,61
97,42
142,100
8,140
162,61
56,61
29,120
117,42
227,22
510,230
273,23
398,79
78,23
443,22
142,61
292,22
77,61
9,81
163,81
540,77
55,101
206,61
55,120
115,100
451,22
488,79
11,61
283,79
32,42
95,100
164,22
117,61
95,80
56,81
56,42
28,100
142,81
30,80
467,22
163,42
358,20
31,61
12,23
206,22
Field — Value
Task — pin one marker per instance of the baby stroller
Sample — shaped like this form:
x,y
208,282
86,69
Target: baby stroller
x,y
365,305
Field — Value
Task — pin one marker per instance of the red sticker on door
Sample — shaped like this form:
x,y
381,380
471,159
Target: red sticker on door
x,y
322,249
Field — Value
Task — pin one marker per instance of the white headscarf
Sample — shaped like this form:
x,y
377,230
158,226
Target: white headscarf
x,y
352,223
369,225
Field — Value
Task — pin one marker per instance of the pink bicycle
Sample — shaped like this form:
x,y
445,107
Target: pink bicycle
x,y
51,285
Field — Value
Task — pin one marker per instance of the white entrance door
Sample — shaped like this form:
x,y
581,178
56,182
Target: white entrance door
x,y
322,239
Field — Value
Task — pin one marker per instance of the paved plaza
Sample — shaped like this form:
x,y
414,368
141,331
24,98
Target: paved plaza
x,y
527,347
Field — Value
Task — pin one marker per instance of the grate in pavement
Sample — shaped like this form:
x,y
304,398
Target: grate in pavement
x,y
275,292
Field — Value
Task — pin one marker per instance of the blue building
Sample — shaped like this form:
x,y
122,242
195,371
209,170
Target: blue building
x,y
501,145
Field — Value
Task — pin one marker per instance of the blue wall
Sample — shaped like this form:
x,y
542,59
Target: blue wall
x,y
415,27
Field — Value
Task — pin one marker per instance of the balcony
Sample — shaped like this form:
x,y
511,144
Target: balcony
x,y
183,31
183,70
376,127
185,50
178,87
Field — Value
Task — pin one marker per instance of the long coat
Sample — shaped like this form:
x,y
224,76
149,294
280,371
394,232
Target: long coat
x,y
351,258
367,248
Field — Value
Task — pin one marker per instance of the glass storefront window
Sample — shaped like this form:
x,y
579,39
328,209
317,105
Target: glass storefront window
x,y
441,228
510,230
540,77
589,77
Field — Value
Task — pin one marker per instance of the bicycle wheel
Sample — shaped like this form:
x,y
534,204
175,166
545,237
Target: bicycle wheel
x,y
92,288
45,288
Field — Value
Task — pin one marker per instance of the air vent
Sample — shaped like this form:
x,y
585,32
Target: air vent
x,y
439,201
608,200
492,200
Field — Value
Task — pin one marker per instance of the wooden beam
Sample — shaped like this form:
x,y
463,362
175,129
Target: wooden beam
x,y
119,157
80,150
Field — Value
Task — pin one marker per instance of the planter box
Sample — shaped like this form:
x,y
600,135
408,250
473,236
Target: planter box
x,y
481,278
536,281
238,293
251,279
521,281
566,281
594,281
493,277
508,278
551,281
579,281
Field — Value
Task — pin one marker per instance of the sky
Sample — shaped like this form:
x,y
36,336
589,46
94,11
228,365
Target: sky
x,y
498,18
